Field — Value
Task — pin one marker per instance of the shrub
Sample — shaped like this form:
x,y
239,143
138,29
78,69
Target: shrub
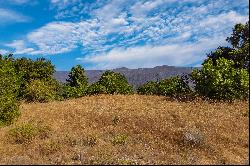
x,y
115,83
41,91
149,88
30,70
9,111
221,81
96,88
9,87
28,131
58,90
73,92
174,86
120,140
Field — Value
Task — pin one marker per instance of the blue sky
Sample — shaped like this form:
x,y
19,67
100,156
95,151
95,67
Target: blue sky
x,y
107,34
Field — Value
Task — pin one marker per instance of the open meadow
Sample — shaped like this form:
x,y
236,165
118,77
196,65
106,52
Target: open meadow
x,y
127,129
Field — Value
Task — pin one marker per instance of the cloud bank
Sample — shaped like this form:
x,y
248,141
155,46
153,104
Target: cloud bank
x,y
135,33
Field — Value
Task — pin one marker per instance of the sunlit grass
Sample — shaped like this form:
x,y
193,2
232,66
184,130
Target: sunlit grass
x,y
128,129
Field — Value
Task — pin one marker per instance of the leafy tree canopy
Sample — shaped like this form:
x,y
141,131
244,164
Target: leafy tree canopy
x,y
77,77
239,53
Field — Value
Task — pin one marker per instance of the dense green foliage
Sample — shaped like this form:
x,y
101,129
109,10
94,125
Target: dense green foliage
x,y
41,91
149,88
40,69
174,86
109,83
30,70
77,83
240,36
239,53
24,79
221,81
225,73
73,92
9,87
114,83
77,77
96,88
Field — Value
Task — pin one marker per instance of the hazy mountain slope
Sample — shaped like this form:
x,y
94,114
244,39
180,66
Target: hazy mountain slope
x,y
135,77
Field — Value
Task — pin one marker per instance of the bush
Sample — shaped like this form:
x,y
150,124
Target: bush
x,y
9,87
221,81
9,111
96,88
149,88
174,86
115,83
41,91
30,70
28,131
120,140
73,92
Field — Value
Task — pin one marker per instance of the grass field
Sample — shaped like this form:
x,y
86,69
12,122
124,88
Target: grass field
x,y
129,129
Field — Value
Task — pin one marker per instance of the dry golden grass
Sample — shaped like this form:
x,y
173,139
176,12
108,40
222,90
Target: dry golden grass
x,y
130,129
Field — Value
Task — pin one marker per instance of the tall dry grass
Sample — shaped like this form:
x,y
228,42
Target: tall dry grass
x,y
129,129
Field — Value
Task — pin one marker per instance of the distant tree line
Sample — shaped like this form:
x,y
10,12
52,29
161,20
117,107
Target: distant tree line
x,y
224,76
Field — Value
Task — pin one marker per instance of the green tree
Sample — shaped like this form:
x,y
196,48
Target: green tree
x,y
173,86
149,88
77,83
77,77
41,69
9,87
221,81
240,36
96,88
31,70
239,52
41,91
115,83
220,52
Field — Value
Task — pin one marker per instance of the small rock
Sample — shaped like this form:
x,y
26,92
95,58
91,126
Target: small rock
x,y
193,137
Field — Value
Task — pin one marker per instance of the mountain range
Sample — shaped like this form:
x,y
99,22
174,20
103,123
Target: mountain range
x,y
135,77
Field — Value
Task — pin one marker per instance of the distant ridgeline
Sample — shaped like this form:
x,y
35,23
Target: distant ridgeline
x,y
135,77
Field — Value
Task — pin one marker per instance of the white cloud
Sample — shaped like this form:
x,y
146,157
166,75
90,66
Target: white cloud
x,y
9,16
150,56
141,8
225,18
20,47
54,38
166,30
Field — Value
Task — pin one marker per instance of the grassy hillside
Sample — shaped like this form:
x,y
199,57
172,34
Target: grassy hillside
x,y
129,129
